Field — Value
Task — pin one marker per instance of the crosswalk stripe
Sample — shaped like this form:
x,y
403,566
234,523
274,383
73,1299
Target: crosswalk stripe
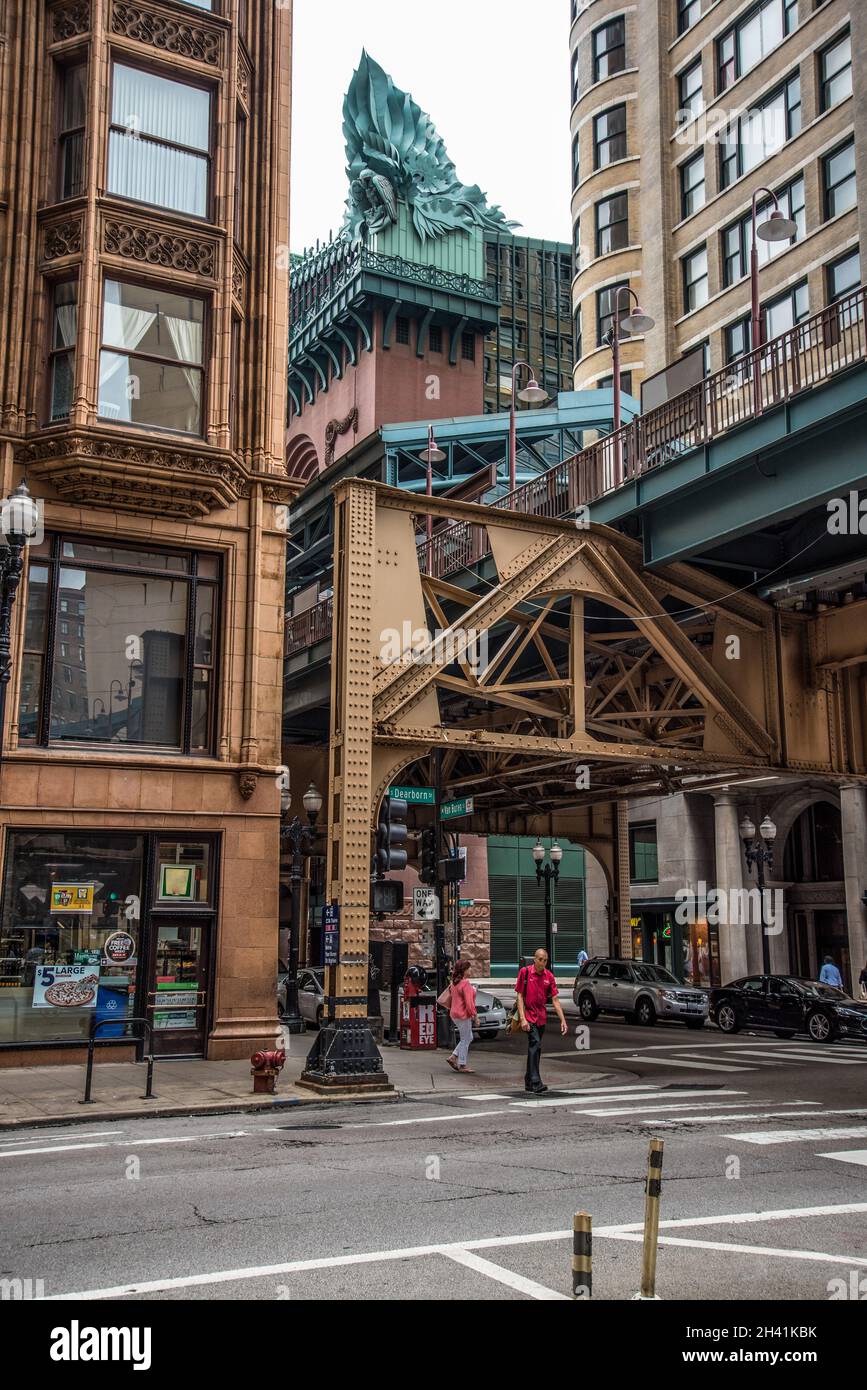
x,y
803,1054
551,1102
784,1059
799,1114
799,1136
849,1156
652,1109
690,1066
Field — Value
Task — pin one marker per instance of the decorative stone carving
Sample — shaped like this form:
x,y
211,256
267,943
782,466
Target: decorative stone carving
x,y
150,246
69,20
62,239
336,427
194,41
247,783
244,81
239,281
106,471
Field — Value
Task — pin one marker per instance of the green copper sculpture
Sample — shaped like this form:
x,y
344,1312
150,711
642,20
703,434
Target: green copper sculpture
x,y
394,153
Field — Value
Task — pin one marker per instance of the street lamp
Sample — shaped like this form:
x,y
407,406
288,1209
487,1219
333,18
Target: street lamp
x,y
19,523
637,321
548,874
760,852
431,455
532,394
777,227
300,838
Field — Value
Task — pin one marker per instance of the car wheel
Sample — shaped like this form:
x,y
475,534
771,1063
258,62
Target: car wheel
x,y
645,1013
784,1033
820,1027
587,1008
727,1019
695,1023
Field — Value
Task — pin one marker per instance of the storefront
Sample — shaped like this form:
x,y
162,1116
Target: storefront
x,y
107,926
688,950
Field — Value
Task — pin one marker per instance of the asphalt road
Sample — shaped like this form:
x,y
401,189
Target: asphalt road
x,y
470,1196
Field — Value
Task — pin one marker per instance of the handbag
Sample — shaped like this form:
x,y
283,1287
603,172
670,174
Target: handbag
x,y
445,999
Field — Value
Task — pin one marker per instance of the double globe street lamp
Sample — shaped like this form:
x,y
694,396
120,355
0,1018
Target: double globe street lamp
x,y
548,873
300,839
759,852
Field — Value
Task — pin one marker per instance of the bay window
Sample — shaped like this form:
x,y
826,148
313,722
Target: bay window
x,y
142,668
151,365
72,113
61,355
159,141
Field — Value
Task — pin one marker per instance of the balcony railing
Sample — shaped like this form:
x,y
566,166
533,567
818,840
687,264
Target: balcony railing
x,y
807,355
305,629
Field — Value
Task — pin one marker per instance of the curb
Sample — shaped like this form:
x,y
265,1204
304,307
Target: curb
x,y
164,1112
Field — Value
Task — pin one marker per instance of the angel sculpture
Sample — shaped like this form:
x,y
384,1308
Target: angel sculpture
x,y
395,154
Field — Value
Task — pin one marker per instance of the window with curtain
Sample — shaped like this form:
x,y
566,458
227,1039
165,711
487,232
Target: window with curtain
x,y
835,72
612,224
692,185
71,119
760,132
160,141
609,136
143,667
64,318
151,364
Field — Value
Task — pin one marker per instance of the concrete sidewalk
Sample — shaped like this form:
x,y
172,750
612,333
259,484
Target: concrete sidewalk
x,y
35,1096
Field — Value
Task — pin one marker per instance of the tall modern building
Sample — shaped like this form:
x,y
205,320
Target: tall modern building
x,y
681,111
686,114
532,282
144,226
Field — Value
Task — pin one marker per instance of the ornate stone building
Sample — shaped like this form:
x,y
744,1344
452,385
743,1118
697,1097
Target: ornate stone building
x,y
144,226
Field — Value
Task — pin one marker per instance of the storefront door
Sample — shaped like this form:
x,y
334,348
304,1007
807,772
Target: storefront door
x,y
179,984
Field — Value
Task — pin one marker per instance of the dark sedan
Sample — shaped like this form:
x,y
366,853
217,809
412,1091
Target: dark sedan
x,y
787,1006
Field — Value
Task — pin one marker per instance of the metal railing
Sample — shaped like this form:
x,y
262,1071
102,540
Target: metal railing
x,y
305,629
805,356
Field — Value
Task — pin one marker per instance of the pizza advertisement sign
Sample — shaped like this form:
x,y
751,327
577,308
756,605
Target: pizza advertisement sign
x,y
65,987
71,897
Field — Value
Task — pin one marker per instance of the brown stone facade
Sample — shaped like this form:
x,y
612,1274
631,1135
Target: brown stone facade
x,y
218,492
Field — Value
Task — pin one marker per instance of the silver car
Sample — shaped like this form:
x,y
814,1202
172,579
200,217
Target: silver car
x,y
641,992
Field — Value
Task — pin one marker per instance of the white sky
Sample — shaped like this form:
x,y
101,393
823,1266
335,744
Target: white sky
x,y
492,74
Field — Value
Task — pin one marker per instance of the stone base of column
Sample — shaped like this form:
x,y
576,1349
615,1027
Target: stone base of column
x,y
345,1060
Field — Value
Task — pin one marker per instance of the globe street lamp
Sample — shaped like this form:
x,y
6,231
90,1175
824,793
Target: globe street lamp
x,y
548,874
532,394
759,851
301,839
19,523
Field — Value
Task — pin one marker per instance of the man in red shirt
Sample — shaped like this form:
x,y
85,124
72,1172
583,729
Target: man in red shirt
x,y
534,987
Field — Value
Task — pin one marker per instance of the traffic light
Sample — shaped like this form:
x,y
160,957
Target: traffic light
x,y
428,862
391,833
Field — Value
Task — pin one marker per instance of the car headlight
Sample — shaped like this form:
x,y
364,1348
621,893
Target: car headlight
x,y
667,994
849,1013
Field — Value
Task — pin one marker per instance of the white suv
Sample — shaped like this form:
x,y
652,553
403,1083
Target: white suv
x,y
640,991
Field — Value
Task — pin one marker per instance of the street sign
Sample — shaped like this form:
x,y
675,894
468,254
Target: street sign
x,y
467,902
425,905
450,810
416,796
331,934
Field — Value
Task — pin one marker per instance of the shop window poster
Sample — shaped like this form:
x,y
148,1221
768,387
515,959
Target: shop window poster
x,y
65,987
71,897
177,882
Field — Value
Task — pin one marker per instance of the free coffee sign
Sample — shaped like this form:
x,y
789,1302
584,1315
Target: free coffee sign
x,y
119,948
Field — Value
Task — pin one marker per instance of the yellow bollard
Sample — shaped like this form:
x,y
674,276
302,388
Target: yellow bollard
x,y
653,1190
582,1255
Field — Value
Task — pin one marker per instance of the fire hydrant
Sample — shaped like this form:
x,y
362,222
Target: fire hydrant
x,y
266,1067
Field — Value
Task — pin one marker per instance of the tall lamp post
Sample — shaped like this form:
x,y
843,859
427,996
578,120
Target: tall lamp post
x,y
19,522
431,455
532,394
635,322
548,873
300,838
776,228
760,852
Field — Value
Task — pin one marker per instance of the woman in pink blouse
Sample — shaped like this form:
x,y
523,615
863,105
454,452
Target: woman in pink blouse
x,y
462,1008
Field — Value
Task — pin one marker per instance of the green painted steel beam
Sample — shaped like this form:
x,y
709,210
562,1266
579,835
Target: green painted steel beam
x,y
388,323
423,332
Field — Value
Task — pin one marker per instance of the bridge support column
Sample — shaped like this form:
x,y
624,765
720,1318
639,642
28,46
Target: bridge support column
x,y
734,956
853,812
